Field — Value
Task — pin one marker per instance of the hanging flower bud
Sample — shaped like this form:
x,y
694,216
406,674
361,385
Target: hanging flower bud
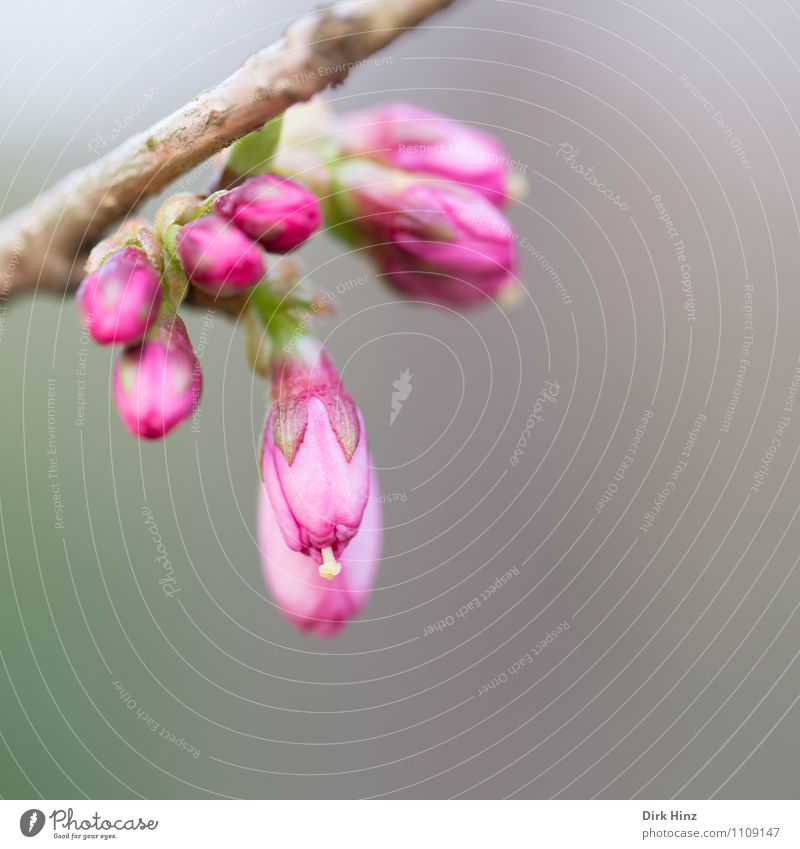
x,y
309,601
275,211
314,458
121,298
434,240
217,257
158,383
415,139
448,289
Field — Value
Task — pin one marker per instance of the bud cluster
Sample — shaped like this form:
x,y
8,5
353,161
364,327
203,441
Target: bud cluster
x,y
419,195
137,279
420,141
222,251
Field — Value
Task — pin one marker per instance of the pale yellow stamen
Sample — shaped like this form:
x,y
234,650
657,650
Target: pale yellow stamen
x,y
330,566
516,186
510,295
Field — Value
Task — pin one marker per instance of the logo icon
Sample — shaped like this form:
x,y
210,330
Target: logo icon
x,y
31,822
402,389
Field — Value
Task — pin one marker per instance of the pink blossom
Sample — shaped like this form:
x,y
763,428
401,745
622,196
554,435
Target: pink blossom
x,y
158,383
432,239
310,602
120,300
415,139
275,211
217,257
314,459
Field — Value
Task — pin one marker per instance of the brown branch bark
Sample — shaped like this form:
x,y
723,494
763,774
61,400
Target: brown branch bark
x,y
43,245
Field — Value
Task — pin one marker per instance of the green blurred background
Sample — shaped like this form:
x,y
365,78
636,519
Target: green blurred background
x,y
678,673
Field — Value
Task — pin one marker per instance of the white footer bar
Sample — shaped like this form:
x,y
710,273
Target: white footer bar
x,y
388,824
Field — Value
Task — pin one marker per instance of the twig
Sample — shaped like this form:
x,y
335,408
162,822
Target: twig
x,y
44,244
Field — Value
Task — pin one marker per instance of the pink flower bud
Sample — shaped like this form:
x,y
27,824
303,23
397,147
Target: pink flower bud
x,y
218,258
157,384
314,459
120,300
277,212
309,601
415,139
447,289
434,240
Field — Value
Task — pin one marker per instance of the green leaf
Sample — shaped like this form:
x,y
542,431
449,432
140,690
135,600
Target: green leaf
x,y
253,154
279,315
174,281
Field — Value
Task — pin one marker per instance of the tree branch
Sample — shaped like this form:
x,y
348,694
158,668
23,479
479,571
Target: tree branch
x,y
43,245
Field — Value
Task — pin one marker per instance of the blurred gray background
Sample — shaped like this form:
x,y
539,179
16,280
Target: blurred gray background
x,y
677,674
